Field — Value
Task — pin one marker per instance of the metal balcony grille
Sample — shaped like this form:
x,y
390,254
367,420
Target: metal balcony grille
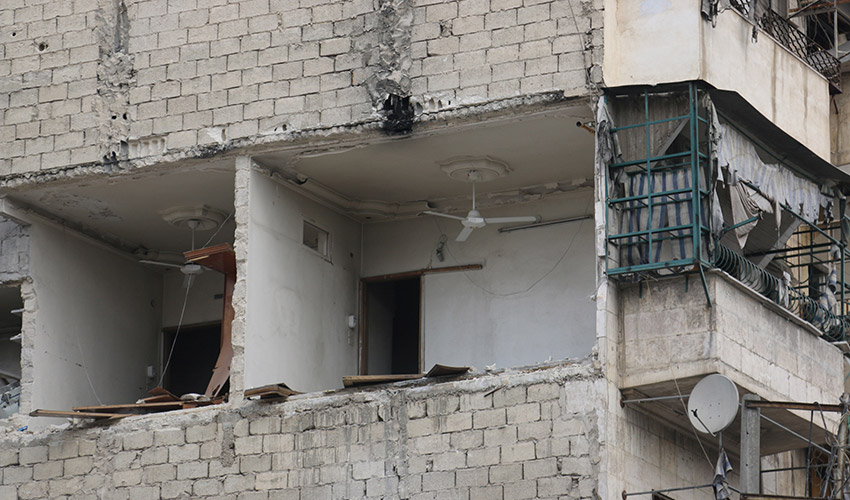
x,y
802,46
793,39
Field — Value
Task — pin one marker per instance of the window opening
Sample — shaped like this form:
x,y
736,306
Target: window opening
x,y
316,239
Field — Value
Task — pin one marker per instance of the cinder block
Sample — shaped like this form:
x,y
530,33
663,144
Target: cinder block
x,y
33,454
183,453
192,470
519,452
201,433
437,481
127,477
144,493
47,470
489,418
553,486
255,463
78,466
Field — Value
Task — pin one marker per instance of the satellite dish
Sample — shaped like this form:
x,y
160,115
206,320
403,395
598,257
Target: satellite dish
x,y
713,404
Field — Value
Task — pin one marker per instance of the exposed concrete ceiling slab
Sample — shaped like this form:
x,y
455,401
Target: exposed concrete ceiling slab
x,y
127,210
541,150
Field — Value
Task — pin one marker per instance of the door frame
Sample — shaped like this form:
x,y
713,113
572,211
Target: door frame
x,y
384,278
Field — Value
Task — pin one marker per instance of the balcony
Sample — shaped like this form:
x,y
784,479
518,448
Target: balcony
x,y
689,189
794,40
730,247
778,72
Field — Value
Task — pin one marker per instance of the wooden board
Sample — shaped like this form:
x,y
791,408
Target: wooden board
x,y
164,398
220,258
76,414
271,391
161,406
444,371
160,392
358,380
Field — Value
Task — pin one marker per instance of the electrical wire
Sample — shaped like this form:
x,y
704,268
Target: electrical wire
x,y
176,334
86,370
538,280
217,230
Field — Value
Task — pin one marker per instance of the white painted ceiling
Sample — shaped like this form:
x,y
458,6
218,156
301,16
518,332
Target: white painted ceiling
x,y
538,150
127,209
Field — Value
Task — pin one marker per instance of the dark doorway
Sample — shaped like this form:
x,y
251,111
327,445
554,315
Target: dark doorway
x,y
391,337
193,359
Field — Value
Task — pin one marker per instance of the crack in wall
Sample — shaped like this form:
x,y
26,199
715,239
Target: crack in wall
x,y
115,75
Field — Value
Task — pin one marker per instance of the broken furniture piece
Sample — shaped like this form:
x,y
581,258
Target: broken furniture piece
x,y
160,400
220,258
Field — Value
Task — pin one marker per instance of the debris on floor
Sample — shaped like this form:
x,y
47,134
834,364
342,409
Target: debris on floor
x,y
436,371
160,400
272,391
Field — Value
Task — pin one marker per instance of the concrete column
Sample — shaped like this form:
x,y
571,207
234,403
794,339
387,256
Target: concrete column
x,y
242,216
750,446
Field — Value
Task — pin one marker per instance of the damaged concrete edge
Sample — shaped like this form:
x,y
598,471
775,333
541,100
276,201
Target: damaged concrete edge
x,y
241,243
25,214
28,333
563,373
358,132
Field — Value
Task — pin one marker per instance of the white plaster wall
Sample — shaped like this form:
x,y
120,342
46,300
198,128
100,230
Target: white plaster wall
x,y
484,317
201,304
298,302
98,313
648,42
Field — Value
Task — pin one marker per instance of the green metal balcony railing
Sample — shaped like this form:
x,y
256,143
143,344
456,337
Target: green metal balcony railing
x,y
660,194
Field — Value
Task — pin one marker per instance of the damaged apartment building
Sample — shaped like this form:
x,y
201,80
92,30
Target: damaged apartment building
x,y
423,249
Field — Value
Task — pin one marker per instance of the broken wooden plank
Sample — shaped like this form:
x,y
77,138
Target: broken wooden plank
x,y
163,393
76,414
358,380
444,371
221,258
161,406
271,391
164,398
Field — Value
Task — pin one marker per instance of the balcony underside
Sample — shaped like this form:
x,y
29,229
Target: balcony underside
x,y
671,336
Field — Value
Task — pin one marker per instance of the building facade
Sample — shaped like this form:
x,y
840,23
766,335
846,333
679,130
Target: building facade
x,y
593,204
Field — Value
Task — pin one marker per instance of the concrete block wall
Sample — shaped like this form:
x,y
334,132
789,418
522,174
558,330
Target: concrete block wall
x,y
761,347
93,81
515,435
14,251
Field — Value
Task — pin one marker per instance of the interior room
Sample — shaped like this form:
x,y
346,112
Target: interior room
x,y
11,310
114,299
355,265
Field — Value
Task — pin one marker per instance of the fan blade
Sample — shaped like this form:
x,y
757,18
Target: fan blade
x,y
438,214
506,220
158,263
464,234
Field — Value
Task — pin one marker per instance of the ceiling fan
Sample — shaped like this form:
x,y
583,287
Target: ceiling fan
x,y
474,220
189,269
